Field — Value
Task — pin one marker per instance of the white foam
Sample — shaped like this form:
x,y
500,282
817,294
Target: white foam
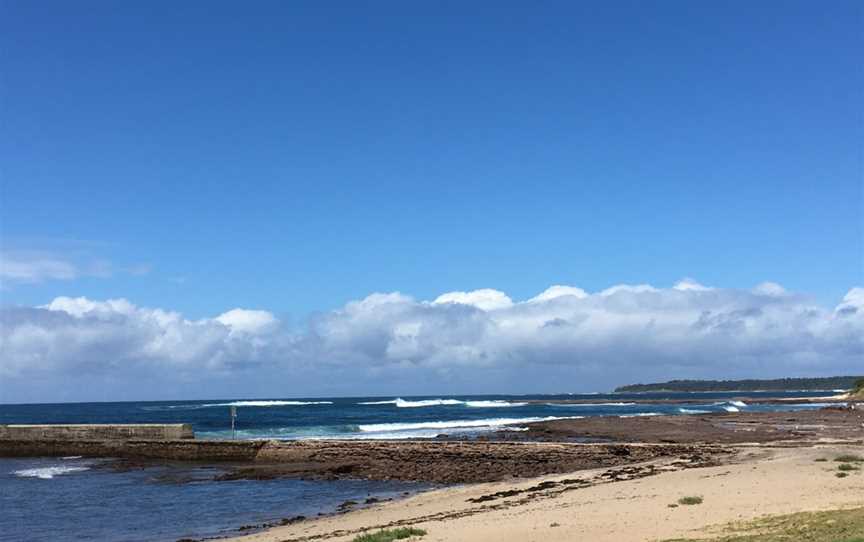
x,y
492,404
730,408
454,424
268,403
639,415
47,473
589,404
402,403
739,404
693,411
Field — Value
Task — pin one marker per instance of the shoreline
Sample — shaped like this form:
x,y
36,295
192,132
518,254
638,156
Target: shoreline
x,y
630,503
503,473
749,399
545,447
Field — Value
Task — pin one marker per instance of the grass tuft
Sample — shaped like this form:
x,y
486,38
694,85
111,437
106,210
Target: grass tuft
x,y
820,459
842,474
849,458
847,467
828,526
690,500
389,535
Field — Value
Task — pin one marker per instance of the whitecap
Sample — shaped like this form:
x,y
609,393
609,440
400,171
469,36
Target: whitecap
x,y
693,411
454,424
268,403
47,473
730,408
402,403
590,404
492,404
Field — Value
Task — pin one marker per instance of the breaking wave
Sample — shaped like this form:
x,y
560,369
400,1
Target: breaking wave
x,y
589,404
402,403
405,430
47,473
455,424
268,403
693,411
492,404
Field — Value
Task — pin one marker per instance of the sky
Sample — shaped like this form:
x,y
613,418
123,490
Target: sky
x,y
274,199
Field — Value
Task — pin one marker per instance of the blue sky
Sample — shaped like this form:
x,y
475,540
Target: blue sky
x,y
294,156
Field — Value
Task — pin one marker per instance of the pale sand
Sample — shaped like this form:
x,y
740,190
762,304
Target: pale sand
x,y
759,481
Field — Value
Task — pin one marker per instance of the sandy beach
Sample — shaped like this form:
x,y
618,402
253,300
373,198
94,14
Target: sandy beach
x,y
623,503
742,465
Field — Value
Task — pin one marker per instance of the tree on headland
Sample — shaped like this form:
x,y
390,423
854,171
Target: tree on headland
x,y
858,390
778,384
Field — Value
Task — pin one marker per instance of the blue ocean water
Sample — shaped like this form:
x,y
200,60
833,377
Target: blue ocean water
x,y
57,499
381,417
48,499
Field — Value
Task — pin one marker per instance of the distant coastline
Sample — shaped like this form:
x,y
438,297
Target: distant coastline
x,y
832,383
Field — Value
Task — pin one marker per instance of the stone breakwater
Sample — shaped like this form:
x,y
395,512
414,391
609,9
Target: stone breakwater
x,y
171,450
167,431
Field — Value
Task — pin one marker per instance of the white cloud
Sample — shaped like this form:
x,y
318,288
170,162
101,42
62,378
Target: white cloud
x,y
563,339
485,299
690,284
770,288
247,321
631,288
33,267
558,291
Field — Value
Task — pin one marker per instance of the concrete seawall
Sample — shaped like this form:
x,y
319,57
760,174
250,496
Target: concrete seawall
x,y
177,450
74,432
142,441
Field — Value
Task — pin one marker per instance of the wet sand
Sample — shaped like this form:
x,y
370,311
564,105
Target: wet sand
x,y
621,503
743,464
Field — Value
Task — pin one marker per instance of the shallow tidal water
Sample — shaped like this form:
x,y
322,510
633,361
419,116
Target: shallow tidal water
x,y
54,499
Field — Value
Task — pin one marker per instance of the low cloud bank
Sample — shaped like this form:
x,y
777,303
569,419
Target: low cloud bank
x,y
461,341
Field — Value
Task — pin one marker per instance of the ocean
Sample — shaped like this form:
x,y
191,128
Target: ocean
x,y
49,499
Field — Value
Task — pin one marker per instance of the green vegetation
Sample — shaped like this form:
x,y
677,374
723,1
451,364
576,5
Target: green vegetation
x,y
780,384
842,474
847,467
830,526
849,458
820,459
690,500
390,535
